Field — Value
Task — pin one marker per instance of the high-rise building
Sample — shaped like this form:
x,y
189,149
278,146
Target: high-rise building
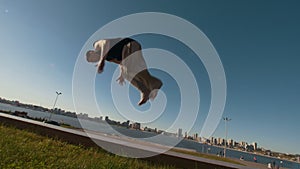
x,y
195,137
212,140
230,142
179,134
254,145
221,141
215,141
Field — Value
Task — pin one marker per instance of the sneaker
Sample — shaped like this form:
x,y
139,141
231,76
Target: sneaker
x,y
155,88
144,98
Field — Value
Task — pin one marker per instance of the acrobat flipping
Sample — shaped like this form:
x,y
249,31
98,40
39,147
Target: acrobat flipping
x,y
127,53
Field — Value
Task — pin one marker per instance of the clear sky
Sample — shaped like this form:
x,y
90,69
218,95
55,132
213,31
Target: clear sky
x,y
257,41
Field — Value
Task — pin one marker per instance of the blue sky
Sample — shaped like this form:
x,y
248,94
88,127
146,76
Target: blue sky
x,y
258,44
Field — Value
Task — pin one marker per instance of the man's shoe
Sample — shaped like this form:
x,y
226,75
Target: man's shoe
x,y
144,98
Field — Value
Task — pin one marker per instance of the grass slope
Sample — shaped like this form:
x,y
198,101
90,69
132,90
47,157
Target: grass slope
x,y
23,149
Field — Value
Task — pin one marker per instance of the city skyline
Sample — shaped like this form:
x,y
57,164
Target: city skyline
x,y
130,124
241,145
257,43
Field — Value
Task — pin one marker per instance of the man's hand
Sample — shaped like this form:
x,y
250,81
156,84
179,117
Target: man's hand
x,y
121,80
101,66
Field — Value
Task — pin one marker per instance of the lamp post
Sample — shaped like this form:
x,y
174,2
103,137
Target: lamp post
x,y
226,119
57,94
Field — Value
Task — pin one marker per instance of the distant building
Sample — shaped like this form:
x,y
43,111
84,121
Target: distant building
x,y
204,140
126,124
221,141
230,143
243,144
150,130
20,114
254,145
196,138
169,134
249,147
83,116
136,126
213,141
111,122
236,144
160,131
179,134
268,152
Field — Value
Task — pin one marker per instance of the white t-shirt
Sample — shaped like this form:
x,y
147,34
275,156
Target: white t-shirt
x,y
104,45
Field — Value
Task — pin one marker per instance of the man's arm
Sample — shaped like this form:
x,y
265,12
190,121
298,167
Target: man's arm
x,y
100,66
121,77
104,49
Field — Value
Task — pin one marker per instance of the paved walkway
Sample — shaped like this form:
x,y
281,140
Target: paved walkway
x,y
253,164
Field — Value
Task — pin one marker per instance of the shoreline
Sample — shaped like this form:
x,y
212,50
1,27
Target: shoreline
x,y
253,153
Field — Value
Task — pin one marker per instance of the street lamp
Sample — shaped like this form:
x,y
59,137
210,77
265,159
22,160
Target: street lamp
x,y
57,94
226,119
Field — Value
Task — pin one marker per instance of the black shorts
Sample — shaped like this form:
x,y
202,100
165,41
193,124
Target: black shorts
x,y
116,51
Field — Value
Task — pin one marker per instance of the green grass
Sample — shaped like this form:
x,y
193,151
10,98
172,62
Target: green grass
x,y
208,156
23,149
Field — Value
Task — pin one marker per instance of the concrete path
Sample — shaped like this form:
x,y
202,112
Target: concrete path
x,y
253,164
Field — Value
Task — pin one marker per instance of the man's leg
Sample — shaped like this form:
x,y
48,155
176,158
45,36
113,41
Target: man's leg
x,y
136,66
137,81
152,83
133,66
156,85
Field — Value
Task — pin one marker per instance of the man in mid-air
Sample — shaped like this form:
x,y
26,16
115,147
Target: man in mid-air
x,y
127,53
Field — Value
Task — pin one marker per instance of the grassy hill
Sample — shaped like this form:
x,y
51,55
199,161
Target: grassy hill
x,y
23,149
